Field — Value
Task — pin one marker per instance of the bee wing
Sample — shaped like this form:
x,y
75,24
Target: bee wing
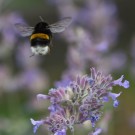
x,y
24,30
60,25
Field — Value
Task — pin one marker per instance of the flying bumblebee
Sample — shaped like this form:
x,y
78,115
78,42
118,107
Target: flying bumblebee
x,y
41,34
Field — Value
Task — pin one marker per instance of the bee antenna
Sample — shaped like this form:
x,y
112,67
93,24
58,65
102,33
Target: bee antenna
x,y
41,18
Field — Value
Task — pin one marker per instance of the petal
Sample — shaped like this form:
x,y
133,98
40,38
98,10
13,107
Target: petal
x,y
114,95
42,97
98,131
105,99
62,132
119,82
126,84
36,124
115,103
94,119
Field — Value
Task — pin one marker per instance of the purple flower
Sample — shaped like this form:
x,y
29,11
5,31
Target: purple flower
x,y
119,82
114,98
115,103
57,123
55,108
62,132
36,124
96,132
81,100
93,120
114,95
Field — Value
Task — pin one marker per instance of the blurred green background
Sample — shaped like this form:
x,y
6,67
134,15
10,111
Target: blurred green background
x,y
19,105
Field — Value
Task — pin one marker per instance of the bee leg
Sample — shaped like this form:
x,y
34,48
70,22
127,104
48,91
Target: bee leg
x,y
32,55
49,50
51,44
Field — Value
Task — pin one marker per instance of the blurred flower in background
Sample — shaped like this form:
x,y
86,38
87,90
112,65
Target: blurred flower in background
x,y
18,53
18,73
93,41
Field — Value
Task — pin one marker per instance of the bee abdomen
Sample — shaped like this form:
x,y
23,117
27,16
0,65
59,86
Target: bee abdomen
x,y
41,39
39,35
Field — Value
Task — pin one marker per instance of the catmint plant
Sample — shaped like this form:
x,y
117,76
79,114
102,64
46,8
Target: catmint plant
x,y
81,100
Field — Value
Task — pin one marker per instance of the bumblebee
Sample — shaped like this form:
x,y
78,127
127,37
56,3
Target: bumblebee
x,y
41,34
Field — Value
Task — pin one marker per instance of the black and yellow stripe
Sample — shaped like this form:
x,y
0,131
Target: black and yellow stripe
x,y
39,35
